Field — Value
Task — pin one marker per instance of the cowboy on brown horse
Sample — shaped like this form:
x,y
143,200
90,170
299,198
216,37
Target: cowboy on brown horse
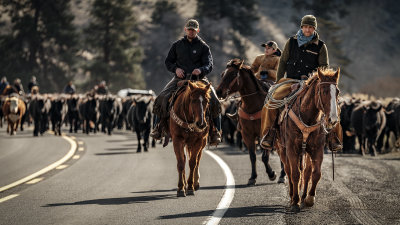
x,y
303,54
189,59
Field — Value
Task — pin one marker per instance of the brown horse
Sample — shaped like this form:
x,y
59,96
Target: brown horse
x,y
13,109
238,77
301,135
188,127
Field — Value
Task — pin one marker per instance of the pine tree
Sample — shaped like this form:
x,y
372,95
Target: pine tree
x,y
111,39
41,41
167,24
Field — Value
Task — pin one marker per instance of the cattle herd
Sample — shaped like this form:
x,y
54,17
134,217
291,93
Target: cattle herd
x,y
369,126
85,113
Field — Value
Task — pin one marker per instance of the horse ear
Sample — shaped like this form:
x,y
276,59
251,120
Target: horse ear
x,y
241,64
191,86
319,73
337,74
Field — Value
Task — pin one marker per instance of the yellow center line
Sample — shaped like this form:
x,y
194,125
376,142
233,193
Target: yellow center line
x,y
34,181
46,169
81,149
61,167
8,197
76,157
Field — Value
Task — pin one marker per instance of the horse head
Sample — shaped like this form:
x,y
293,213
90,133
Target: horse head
x,y
327,96
14,104
199,97
230,78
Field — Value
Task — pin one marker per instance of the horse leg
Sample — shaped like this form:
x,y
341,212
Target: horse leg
x,y
316,175
265,159
282,175
295,178
181,160
306,177
252,153
192,154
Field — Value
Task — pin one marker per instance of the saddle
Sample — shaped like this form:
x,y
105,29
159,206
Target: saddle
x,y
283,112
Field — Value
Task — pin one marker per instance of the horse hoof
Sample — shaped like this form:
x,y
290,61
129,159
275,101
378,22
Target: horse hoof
x,y
251,182
273,176
181,193
281,180
295,208
309,201
190,192
196,187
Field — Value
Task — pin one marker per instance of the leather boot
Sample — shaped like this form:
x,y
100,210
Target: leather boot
x,y
334,143
157,132
215,137
267,142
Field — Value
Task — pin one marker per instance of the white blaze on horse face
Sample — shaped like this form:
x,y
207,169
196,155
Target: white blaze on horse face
x,y
333,115
14,105
201,107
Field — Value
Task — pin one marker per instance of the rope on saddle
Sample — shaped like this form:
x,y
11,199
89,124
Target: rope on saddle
x,y
272,103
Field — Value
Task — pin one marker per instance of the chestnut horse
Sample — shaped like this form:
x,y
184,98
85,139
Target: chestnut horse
x,y
301,134
13,109
238,77
188,127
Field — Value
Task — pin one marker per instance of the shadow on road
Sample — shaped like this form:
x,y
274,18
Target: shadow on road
x,y
248,211
116,201
209,188
115,153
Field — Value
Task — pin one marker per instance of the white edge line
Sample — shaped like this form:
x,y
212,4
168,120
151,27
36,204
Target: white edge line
x,y
46,169
228,194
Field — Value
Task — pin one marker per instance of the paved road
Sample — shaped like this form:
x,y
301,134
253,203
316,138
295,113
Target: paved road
x,y
112,184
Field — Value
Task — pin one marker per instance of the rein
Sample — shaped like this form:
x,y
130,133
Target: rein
x,y
192,127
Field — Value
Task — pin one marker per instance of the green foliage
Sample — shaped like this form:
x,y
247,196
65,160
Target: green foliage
x,y
110,37
165,28
41,42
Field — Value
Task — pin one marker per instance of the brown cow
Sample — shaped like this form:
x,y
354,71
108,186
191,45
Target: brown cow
x,y
13,109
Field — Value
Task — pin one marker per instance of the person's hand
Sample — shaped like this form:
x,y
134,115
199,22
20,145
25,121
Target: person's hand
x,y
196,72
180,73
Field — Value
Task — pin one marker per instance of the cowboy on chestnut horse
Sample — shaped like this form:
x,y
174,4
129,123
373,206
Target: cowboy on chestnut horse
x,y
189,59
302,54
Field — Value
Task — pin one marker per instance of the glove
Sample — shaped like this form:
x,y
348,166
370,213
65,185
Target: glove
x,y
264,75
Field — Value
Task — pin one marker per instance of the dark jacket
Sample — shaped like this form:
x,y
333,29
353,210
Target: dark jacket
x,y
189,56
296,61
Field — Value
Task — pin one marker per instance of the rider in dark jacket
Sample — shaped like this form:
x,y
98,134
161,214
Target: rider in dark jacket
x,y
189,59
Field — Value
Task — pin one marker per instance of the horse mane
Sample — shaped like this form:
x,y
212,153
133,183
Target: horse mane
x,y
200,87
236,63
327,72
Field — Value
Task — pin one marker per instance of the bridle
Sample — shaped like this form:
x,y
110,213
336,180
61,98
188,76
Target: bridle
x,y
321,106
237,80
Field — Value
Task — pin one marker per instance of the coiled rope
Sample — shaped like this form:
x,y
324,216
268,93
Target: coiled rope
x,y
271,103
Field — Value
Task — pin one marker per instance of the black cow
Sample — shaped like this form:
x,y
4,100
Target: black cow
x,y
346,109
368,120
88,112
123,119
392,112
140,117
110,108
73,113
228,124
58,112
39,109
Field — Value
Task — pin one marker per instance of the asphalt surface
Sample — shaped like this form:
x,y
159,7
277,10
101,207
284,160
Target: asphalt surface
x,y
110,183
